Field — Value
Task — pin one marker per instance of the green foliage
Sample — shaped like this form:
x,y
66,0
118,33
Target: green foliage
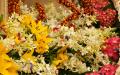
x,y
118,31
49,56
14,55
68,72
1,18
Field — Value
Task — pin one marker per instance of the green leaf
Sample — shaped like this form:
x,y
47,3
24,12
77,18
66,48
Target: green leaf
x,y
1,18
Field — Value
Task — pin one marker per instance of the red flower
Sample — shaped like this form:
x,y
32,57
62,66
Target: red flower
x,y
111,52
98,4
105,70
108,70
114,41
93,73
111,47
106,18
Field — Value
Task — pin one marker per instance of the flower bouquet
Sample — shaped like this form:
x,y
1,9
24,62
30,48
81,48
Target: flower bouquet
x,y
61,37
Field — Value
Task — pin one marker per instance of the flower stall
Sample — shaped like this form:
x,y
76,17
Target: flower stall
x,y
59,37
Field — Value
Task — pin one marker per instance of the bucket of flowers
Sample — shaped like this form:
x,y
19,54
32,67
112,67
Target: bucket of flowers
x,y
61,37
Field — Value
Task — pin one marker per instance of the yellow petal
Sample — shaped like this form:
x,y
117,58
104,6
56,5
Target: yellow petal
x,y
56,62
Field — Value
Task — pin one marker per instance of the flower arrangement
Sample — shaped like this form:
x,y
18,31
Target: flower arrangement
x,y
50,40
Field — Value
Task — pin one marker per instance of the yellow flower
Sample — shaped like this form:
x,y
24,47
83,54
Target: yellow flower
x,y
42,38
42,44
26,19
7,66
17,41
61,57
28,57
3,50
40,32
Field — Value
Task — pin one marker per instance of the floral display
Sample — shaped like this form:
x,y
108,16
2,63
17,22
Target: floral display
x,y
62,37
